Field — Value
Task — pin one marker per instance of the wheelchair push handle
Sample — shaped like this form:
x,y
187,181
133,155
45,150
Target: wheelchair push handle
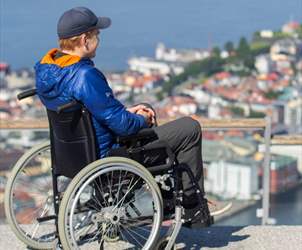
x,y
32,92
27,93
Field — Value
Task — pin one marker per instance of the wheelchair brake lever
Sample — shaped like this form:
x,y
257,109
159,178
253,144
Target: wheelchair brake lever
x,y
161,180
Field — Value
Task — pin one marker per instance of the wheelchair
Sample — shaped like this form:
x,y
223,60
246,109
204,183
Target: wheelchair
x,y
61,195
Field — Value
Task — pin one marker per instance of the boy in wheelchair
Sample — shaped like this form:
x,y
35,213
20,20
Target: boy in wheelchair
x,y
68,74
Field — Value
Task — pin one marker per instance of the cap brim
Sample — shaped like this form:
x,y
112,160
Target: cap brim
x,y
103,22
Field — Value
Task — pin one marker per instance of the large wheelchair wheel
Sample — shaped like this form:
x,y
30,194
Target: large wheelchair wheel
x,y
29,198
113,203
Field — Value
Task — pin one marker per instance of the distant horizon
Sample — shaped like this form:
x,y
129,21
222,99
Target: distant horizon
x,y
28,29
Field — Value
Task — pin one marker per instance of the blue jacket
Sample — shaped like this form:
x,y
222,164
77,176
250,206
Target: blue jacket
x,y
58,81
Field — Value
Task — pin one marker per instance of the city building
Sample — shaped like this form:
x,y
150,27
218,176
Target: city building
x,y
284,174
180,55
292,99
176,106
229,179
266,33
293,151
290,27
285,49
263,64
147,65
231,171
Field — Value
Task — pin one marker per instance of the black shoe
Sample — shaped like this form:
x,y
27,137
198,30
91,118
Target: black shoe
x,y
199,216
190,201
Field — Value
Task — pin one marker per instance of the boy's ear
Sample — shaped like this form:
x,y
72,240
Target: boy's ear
x,y
83,40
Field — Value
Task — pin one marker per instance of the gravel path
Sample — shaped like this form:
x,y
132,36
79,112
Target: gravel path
x,y
230,238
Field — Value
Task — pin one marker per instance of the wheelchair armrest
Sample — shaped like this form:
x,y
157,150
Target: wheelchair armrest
x,y
137,154
170,156
144,134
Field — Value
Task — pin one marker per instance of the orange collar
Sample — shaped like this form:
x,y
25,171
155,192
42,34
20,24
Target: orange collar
x,y
63,61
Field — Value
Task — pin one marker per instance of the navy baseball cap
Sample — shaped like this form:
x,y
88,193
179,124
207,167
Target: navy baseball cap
x,y
79,20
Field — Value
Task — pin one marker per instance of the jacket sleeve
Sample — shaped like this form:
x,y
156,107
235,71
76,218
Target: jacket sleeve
x,y
98,97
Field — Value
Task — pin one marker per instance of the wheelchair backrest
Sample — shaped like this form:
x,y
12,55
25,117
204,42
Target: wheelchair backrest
x,y
73,143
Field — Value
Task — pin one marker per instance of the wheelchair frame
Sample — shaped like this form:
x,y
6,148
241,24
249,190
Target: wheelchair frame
x,y
133,147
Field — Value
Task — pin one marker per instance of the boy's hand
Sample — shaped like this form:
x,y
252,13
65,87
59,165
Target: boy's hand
x,y
139,107
148,113
148,116
134,109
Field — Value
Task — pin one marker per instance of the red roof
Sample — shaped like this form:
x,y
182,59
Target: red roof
x,y
293,25
269,77
3,66
222,75
179,100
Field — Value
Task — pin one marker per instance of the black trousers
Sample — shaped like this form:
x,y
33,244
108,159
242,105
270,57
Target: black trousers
x,y
184,137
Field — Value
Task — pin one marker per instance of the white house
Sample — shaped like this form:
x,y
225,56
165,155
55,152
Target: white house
x,y
293,113
179,55
147,65
263,64
266,33
232,180
199,95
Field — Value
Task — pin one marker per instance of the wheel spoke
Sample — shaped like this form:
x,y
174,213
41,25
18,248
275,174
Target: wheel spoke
x,y
128,231
98,203
118,191
100,189
124,197
120,230
138,234
83,229
135,198
29,215
108,186
37,224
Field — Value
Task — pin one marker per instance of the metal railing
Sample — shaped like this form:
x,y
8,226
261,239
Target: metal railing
x,y
207,124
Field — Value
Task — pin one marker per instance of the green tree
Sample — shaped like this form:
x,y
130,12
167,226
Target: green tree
x,y
160,95
237,111
272,95
256,114
229,46
243,49
244,53
216,51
